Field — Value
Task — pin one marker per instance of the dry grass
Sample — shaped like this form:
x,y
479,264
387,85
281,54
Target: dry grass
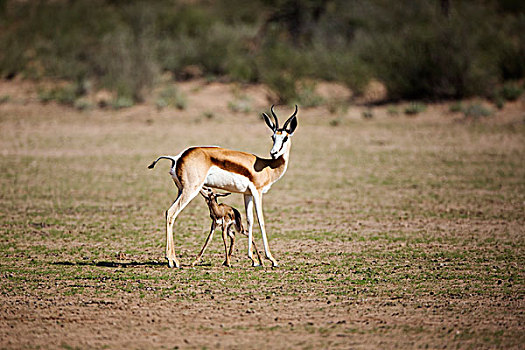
x,y
393,232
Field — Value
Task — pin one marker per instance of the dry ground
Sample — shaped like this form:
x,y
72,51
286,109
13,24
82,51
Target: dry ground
x,y
391,232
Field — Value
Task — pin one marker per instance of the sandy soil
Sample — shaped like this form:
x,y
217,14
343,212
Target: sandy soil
x,y
392,231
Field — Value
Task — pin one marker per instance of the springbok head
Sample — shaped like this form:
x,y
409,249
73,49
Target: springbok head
x,y
210,196
281,136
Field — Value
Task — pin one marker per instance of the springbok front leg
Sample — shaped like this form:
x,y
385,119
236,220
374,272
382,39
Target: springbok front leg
x,y
260,218
210,236
248,206
185,196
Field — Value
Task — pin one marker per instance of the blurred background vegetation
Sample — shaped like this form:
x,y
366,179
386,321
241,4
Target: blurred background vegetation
x,y
424,49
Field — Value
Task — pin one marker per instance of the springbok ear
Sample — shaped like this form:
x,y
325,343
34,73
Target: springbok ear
x,y
292,122
223,194
203,193
269,122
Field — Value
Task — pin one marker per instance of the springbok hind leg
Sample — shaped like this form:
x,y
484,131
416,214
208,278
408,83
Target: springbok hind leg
x,y
224,234
258,255
231,234
174,210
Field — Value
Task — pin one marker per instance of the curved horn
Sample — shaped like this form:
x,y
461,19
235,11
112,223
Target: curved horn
x,y
294,113
275,117
222,194
289,119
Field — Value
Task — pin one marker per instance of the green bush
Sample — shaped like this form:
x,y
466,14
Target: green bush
x,y
82,104
171,97
241,103
456,107
511,91
79,40
122,102
218,51
418,64
436,57
306,95
415,108
392,111
66,95
282,67
512,47
368,114
476,110
341,64
5,99
416,51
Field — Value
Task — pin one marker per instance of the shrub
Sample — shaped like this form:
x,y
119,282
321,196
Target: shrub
x,y
433,57
368,114
126,62
277,71
171,97
82,104
66,95
408,45
499,102
415,108
511,91
512,46
208,115
392,111
219,50
306,95
335,122
456,107
337,107
4,99
338,64
476,110
122,102
241,103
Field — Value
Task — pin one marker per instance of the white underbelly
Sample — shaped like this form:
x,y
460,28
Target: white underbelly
x,y
225,180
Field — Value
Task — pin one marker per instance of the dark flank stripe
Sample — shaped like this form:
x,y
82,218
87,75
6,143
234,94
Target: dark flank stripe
x,y
228,165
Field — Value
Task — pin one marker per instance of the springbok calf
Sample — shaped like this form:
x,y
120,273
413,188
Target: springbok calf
x,y
232,171
229,219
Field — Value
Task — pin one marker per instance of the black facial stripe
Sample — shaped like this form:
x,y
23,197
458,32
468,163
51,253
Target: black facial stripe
x,y
282,143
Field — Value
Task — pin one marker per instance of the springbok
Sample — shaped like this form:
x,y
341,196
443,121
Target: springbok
x,y
229,219
232,171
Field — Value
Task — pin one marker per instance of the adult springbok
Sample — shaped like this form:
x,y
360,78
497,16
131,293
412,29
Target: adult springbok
x,y
232,171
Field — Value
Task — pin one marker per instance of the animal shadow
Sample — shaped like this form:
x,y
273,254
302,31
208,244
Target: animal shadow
x,y
112,264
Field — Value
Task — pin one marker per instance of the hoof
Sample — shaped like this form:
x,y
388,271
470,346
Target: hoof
x,y
227,264
173,263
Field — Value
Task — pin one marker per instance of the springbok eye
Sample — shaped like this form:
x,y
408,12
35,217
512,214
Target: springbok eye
x,y
273,137
285,139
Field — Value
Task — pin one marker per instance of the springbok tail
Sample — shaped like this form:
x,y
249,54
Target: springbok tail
x,y
173,161
238,221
